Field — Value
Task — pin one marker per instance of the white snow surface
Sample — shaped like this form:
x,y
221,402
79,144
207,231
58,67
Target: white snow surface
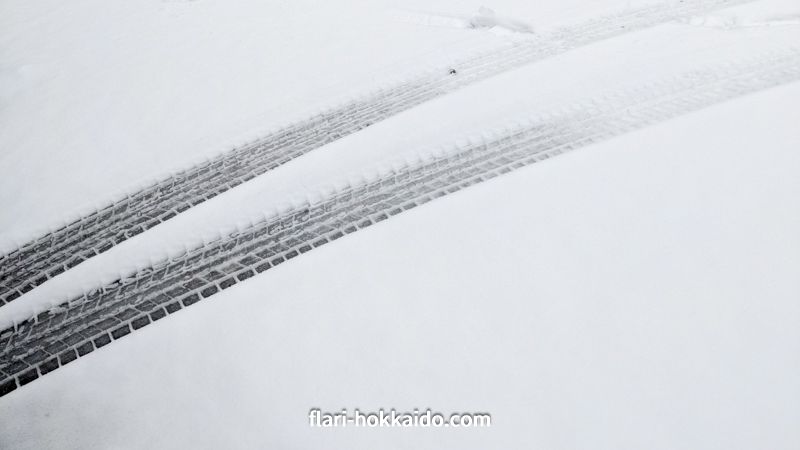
x,y
638,293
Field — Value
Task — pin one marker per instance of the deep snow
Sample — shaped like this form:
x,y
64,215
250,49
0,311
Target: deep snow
x,y
637,293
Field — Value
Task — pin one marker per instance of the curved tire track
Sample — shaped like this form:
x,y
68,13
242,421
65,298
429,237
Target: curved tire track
x,y
48,256
41,344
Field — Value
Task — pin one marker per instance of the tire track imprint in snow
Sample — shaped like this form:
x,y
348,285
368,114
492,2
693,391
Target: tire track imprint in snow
x,y
32,264
53,338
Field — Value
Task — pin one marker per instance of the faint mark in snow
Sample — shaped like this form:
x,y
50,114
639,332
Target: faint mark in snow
x,y
10,82
732,21
482,19
175,8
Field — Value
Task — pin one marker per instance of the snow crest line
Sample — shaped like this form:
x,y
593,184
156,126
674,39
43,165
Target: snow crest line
x,y
32,264
51,339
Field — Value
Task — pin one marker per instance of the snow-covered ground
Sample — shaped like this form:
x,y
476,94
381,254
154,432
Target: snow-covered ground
x,y
641,292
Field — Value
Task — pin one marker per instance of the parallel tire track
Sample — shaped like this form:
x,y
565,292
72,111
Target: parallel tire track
x,y
48,256
42,344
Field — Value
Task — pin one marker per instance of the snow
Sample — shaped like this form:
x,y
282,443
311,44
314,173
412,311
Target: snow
x,y
638,293
503,99
612,307
483,18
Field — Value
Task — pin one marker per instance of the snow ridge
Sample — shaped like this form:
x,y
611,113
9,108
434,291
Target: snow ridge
x,y
47,256
41,344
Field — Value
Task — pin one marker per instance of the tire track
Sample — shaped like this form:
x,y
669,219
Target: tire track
x,y
51,339
36,262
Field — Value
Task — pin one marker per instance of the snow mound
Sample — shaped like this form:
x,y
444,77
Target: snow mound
x,y
482,19
717,21
783,14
